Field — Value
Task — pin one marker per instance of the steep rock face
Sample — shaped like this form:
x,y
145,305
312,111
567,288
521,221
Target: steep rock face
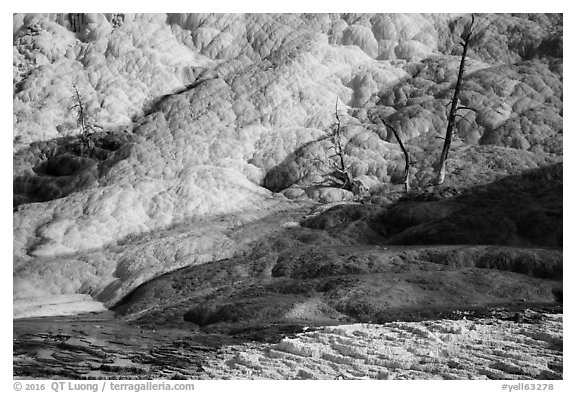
x,y
212,107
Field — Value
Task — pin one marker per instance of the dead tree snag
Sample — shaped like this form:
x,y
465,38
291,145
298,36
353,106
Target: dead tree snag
x,y
454,107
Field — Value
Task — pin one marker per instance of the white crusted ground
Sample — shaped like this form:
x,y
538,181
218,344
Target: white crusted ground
x,y
55,306
443,349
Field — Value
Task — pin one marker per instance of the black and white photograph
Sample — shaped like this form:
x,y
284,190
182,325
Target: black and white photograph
x,y
287,196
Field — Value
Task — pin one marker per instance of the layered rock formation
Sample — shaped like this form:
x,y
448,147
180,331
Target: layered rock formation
x,y
501,345
206,117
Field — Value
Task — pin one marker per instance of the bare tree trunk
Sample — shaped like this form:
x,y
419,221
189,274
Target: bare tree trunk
x,y
341,168
453,109
81,116
406,157
83,120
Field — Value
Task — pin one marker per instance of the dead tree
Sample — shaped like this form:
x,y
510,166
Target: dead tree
x,y
83,121
339,167
454,107
81,112
406,156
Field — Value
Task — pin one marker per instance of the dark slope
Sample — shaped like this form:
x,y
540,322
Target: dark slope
x,y
342,265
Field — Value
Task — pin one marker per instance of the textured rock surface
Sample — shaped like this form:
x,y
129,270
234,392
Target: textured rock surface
x,y
360,263
203,115
527,345
442,349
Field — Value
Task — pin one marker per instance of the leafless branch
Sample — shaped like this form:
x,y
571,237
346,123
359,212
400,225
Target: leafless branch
x,y
467,107
406,156
463,118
